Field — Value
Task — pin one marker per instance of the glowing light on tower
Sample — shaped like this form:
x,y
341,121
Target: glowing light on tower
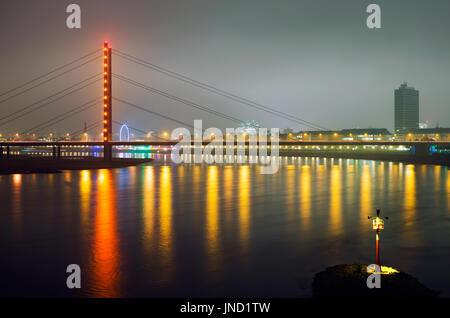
x,y
107,94
378,225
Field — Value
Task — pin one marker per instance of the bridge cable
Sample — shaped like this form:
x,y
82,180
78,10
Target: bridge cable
x,y
178,99
82,107
48,80
88,127
218,91
48,103
152,112
50,72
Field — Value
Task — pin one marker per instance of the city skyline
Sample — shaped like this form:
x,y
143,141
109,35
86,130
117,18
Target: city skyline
x,y
406,120
318,73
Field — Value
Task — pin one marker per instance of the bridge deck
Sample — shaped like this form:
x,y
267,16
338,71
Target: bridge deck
x,y
205,142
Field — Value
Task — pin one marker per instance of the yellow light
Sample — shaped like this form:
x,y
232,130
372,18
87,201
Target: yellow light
x,y
105,121
105,97
105,57
105,89
378,223
105,81
105,73
105,105
105,65
385,270
105,130
105,113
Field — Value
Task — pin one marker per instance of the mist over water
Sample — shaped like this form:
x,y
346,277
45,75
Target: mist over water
x,y
219,230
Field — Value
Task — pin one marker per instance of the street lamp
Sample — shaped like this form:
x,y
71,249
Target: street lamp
x,y
378,225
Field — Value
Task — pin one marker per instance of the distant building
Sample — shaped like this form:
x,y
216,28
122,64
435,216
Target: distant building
x,y
248,126
406,108
345,134
423,125
427,134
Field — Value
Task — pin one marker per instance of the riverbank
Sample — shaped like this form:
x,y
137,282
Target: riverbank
x,y
349,281
42,164
408,158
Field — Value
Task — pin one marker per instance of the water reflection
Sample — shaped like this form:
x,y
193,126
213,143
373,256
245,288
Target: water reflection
x,y
16,202
410,237
448,189
85,196
165,219
212,218
144,229
244,204
305,195
105,258
148,205
228,186
366,207
336,201
410,190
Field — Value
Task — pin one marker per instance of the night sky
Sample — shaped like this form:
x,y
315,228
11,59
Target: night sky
x,y
313,59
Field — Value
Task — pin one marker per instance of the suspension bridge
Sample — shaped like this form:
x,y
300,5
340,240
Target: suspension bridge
x,y
106,145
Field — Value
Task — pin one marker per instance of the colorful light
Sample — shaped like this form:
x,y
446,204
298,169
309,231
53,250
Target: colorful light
x,y
107,117
124,129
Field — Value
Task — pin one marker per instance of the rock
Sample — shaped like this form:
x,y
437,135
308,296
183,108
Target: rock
x,y
349,281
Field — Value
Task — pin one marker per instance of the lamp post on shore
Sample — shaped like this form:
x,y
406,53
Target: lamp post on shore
x,y
378,225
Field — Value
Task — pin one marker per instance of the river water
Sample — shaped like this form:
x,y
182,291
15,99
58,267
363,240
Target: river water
x,y
161,229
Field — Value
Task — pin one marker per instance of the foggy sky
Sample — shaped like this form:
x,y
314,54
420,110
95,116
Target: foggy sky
x,y
314,59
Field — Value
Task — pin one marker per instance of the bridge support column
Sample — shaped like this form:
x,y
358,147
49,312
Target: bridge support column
x,y
107,101
8,151
107,151
422,149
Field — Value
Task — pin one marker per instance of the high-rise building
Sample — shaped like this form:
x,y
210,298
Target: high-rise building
x,y
406,108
